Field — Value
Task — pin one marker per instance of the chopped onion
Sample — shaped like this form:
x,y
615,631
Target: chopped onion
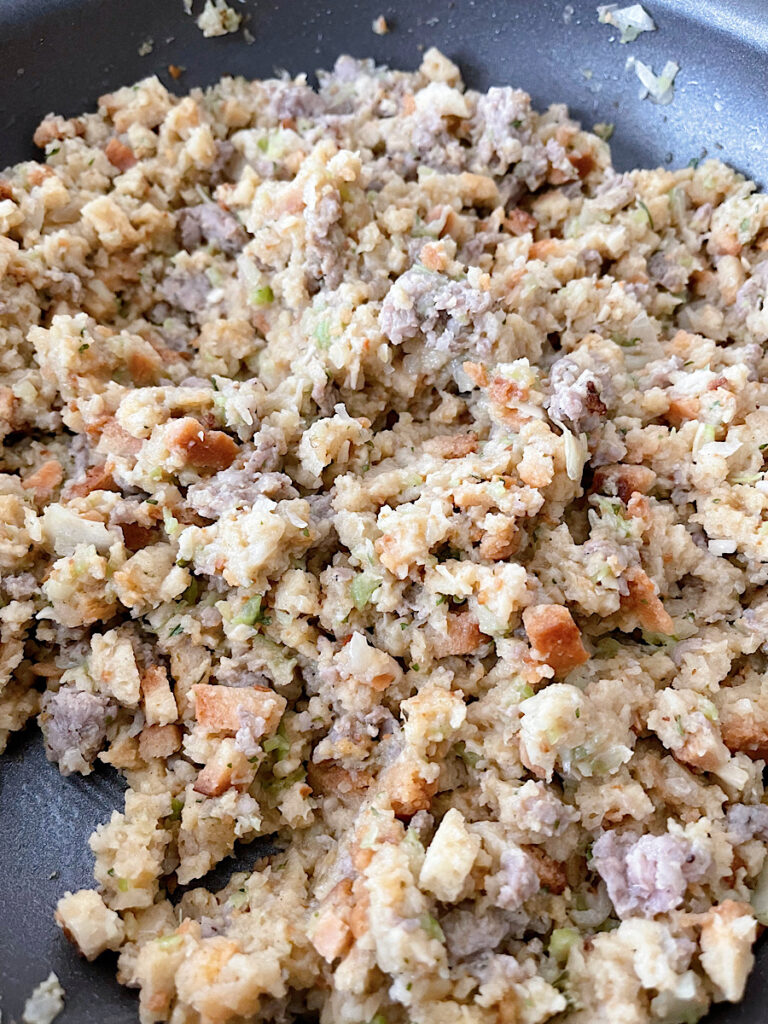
x,y
722,448
642,329
722,547
576,453
630,21
660,88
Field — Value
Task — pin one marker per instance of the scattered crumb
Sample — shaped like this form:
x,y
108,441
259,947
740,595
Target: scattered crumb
x,y
53,874
248,36
218,19
587,73
187,4
146,47
45,1003
660,88
630,21
568,14
380,26
603,130
176,70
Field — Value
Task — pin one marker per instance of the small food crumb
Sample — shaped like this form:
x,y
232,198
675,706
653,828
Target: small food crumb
x,y
176,70
380,26
146,47
45,1003
568,14
248,36
660,88
218,19
603,130
630,21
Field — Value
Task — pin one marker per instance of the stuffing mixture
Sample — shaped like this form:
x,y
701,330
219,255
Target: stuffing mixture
x,y
386,475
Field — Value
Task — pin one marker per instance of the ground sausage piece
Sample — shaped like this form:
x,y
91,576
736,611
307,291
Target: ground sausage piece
x,y
555,636
74,724
208,222
188,292
449,315
647,875
518,877
576,396
204,449
748,821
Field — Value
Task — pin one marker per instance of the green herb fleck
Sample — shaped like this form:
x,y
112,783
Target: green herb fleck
x,y
262,296
176,630
647,212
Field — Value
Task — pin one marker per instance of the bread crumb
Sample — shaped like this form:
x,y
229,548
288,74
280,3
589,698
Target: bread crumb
x,y
218,19
176,70
380,26
45,1003
146,47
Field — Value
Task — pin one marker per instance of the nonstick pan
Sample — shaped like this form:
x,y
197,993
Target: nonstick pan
x,y
60,55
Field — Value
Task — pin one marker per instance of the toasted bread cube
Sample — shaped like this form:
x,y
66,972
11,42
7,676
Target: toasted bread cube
x,y
159,741
555,636
159,702
217,708
88,922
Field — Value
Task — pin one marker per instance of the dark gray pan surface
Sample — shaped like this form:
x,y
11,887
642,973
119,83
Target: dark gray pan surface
x,y
61,54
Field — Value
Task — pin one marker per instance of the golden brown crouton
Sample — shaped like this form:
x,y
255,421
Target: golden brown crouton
x,y
214,779
745,731
409,792
97,478
204,449
119,155
451,446
552,874
643,603
519,221
158,700
462,635
45,479
159,741
331,933
57,127
623,480
328,777
217,708
555,636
